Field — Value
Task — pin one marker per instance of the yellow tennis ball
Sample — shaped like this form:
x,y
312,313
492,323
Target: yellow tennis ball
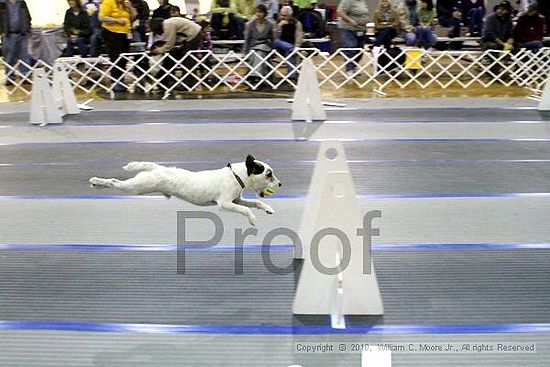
x,y
268,191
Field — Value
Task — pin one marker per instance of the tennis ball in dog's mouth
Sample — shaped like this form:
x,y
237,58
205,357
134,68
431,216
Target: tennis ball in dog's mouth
x,y
268,191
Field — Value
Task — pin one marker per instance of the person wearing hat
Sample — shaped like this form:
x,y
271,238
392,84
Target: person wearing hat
x,y
497,34
529,30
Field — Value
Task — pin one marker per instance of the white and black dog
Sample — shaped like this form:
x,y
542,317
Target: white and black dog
x,y
222,187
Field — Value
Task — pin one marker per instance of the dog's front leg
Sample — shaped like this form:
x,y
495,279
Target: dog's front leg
x,y
253,203
232,207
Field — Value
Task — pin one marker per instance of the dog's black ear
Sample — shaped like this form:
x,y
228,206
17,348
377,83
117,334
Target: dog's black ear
x,y
253,168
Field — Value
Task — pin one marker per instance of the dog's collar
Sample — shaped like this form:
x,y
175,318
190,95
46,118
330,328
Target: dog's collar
x,y
236,176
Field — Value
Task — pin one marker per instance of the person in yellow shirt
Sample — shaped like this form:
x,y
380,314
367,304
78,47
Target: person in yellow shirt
x,y
116,18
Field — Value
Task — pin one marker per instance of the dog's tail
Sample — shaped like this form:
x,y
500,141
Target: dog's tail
x,y
141,166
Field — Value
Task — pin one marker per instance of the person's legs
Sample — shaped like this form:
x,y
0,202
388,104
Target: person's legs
x,y
421,36
95,40
348,39
452,22
431,38
116,44
233,27
239,25
410,38
285,49
216,22
82,46
534,46
22,49
476,20
69,49
8,43
384,37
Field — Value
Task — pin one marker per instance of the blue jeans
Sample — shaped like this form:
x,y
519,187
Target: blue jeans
x,y
532,45
425,36
384,36
285,49
95,40
350,39
475,20
15,48
451,22
81,43
410,38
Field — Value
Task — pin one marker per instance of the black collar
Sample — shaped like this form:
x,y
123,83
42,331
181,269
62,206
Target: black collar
x,y
236,176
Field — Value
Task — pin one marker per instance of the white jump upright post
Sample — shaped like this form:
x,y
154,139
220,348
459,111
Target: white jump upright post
x,y
544,103
331,157
44,109
307,105
63,91
338,276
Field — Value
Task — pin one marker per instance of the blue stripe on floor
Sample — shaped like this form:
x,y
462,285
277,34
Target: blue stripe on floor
x,y
274,329
272,248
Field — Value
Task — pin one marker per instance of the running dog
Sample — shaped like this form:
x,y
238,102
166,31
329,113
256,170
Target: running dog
x,y
222,187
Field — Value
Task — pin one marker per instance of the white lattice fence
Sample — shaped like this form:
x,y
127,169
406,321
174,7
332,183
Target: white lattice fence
x,y
204,70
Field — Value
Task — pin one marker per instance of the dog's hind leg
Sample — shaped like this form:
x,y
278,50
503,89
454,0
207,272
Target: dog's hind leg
x,y
141,166
132,185
103,182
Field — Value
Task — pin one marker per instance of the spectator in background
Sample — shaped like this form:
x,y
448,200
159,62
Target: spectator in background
x,y
473,12
223,17
92,9
544,9
163,11
181,36
195,14
206,46
143,12
288,35
272,8
529,30
386,24
497,34
77,28
312,22
116,19
299,5
15,29
258,37
246,9
352,26
408,20
175,11
426,21
449,15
